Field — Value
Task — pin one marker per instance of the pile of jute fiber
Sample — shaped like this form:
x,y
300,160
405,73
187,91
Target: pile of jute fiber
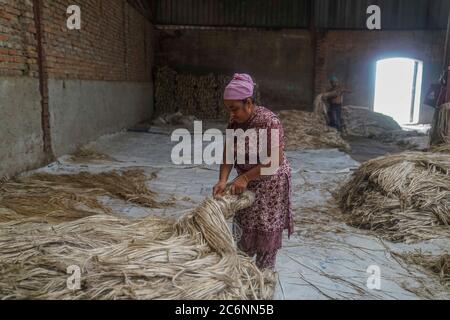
x,y
194,257
56,197
403,197
309,130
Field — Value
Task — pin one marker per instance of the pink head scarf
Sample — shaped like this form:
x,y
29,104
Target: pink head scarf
x,y
240,88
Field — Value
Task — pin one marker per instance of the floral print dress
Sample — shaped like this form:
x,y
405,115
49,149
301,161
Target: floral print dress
x,y
259,228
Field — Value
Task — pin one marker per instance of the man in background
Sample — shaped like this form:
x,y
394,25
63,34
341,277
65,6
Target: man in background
x,y
335,99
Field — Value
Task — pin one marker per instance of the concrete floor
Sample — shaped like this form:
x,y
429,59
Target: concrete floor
x,y
364,149
324,259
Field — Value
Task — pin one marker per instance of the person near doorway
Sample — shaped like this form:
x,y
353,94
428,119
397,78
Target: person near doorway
x,y
335,98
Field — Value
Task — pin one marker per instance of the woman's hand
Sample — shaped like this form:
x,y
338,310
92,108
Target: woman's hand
x,y
219,188
239,184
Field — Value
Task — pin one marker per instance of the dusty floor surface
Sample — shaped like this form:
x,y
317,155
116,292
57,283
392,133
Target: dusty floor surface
x,y
324,259
364,149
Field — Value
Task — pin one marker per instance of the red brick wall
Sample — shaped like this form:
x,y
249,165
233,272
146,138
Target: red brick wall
x,y
18,55
114,43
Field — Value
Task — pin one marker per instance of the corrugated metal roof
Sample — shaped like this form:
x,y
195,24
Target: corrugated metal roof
x,y
329,14
395,14
242,13
438,14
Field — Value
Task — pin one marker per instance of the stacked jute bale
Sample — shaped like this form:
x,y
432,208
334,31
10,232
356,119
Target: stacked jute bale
x,y
165,84
403,197
205,96
193,257
192,95
222,82
184,94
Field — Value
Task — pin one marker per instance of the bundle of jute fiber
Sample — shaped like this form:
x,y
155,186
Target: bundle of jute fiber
x,y
150,258
193,95
309,130
437,264
403,197
321,109
443,148
186,86
72,196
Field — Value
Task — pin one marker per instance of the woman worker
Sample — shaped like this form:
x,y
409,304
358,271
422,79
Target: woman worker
x,y
263,223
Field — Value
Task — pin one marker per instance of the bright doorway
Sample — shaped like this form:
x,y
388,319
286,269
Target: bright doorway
x,y
398,89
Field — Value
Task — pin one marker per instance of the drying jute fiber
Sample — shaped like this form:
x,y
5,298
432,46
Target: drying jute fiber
x,y
194,257
443,148
403,197
56,197
309,130
436,264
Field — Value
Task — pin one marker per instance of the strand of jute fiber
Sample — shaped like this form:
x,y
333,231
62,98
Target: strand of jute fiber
x,y
403,197
194,257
